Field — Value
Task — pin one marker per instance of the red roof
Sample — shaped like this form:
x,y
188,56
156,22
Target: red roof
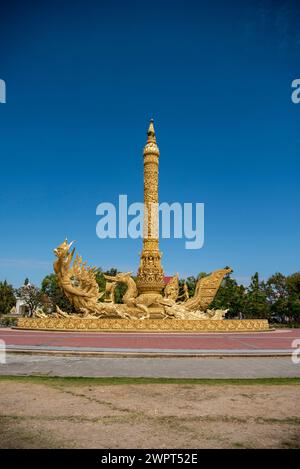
x,y
167,279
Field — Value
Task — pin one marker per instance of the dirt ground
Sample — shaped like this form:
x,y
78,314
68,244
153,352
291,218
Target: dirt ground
x,y
59,414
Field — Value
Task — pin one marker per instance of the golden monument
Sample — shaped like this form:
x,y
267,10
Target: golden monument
x,y
150,279
148,304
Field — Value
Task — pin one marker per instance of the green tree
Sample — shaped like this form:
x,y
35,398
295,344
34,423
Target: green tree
x,y
32,296
293,284
101,280
277,295
230,296
293,287
256,305
7,297
191,284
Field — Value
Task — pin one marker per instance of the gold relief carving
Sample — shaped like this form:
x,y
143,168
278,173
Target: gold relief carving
x,y
151,244
150,278
150,160
158,325
172,288
151,149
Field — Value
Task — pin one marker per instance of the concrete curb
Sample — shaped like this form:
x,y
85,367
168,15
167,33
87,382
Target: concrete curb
x,y
151,354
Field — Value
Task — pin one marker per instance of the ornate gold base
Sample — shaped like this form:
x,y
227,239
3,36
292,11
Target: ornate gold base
x,y
147,325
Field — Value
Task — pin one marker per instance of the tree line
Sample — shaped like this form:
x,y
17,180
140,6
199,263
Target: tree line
x,y
277,298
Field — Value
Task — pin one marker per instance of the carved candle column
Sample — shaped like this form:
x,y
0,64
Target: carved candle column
x,y
150,277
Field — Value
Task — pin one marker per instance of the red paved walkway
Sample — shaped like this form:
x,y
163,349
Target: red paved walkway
x,y
280,340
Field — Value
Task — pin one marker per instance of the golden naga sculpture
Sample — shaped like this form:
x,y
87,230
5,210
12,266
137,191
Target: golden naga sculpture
x,y
78,282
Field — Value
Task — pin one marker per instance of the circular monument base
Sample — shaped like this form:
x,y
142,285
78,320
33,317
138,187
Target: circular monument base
x,y
146,325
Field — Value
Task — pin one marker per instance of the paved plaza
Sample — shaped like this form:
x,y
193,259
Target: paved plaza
x,y
156,367
279,342
243,355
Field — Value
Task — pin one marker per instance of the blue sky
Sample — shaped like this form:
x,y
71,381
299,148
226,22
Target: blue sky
x,y
84,77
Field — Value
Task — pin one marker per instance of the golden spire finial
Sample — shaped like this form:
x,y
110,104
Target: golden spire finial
x,y
151,132
151,147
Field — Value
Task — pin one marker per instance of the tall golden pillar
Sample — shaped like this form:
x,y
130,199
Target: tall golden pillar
x,y
150,279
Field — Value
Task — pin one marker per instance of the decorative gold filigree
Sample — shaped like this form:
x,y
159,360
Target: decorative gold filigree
x,y
78,281
157,325
150,278
172,288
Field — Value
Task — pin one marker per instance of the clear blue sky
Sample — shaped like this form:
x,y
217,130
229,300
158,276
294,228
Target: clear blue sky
x,y
84,77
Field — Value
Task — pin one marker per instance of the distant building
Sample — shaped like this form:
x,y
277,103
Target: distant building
x,y
167,279
21,309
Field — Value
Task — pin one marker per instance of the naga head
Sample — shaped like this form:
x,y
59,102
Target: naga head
x,y
63,249
228,270
119,277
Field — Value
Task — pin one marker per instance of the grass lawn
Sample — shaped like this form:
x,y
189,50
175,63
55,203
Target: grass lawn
x,y
55,412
